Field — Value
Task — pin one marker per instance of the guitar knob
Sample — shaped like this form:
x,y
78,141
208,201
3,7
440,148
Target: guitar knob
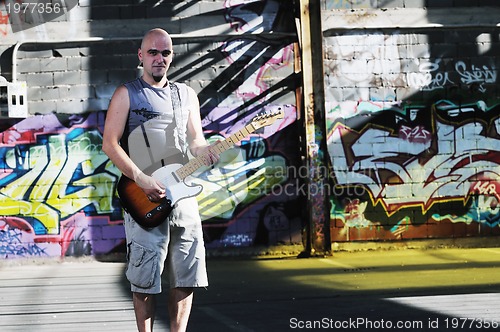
x,y
148,215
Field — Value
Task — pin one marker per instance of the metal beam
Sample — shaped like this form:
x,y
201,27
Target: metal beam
x,y
311,39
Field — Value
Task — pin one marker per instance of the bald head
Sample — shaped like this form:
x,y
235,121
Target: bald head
x,y
156,55
153,34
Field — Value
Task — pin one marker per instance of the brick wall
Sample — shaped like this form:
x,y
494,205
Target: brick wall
x,y
412,106
98,49
411,101
237,55
72,78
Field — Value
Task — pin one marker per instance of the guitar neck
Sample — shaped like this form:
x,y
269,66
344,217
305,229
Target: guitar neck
x,y
195,163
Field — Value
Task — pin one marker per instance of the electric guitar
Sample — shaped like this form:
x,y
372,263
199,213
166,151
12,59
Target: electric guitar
x,y
151,214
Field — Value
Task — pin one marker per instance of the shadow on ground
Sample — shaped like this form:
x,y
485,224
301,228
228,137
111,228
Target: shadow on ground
x,y
361,291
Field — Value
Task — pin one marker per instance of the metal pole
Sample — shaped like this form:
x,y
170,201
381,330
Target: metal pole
x,y
311,38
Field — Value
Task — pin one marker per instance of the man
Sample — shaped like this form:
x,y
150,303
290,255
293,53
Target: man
x,y
150,122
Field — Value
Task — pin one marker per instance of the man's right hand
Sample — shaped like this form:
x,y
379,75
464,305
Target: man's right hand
x,y
151,187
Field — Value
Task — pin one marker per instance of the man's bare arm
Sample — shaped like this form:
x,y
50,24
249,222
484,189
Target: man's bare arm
x,y
114,126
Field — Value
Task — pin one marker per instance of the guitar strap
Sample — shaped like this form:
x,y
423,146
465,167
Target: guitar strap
x,y
146,140
178,117
179,133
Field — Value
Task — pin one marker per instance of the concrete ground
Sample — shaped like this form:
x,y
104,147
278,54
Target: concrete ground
x,y
401,290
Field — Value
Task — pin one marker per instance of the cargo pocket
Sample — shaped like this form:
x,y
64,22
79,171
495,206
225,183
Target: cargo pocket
x,y
142,265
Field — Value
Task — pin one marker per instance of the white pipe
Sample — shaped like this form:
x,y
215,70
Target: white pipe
x,y
80,40
100,39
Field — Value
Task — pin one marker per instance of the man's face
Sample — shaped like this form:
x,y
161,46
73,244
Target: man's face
x,y
156,55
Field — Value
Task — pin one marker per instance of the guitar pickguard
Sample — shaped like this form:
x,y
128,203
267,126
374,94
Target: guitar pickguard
x,y
175,188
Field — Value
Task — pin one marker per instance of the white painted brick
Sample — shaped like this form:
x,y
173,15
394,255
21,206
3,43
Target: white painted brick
x,y
69,106
28,65
40,79
53,64
67,78
42,107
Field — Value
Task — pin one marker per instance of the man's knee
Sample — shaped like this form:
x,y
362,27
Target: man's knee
x,y
181,293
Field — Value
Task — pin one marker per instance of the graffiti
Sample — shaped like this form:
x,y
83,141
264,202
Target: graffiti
x,y
476,75
429,77
48,186
59,183
487,188
236,240
252,66
13,243
367,61
79,235
251,15
239,179
4,23
59,186
483,209
411,162
401,227
400,171
354,213
417,134
247,173
486,210
278,222
485,206
55,183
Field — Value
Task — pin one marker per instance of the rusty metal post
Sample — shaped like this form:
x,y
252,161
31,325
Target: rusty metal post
x,y
318,212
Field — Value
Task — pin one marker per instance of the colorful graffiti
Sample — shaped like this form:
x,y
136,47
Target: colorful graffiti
x,y
244,184
4,23
244,174
389,162
413,137
258,76
56,186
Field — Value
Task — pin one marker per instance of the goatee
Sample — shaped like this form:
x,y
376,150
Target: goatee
x,y
157,78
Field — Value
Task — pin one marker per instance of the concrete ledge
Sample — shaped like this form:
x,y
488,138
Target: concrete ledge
x,y
409,18
476,242
257,252
284,251
297,250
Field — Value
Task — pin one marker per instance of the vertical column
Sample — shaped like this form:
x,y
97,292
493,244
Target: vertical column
x,y
318,212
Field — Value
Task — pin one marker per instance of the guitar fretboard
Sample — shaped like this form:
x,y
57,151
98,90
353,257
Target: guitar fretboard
x,y
220,147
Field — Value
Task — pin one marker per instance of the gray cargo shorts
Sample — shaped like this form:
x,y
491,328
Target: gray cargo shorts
x,y
178,242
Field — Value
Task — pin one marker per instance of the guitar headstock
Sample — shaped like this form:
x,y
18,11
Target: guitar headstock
x,y
268,118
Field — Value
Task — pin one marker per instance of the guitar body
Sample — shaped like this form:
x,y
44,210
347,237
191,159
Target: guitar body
x,y
152,214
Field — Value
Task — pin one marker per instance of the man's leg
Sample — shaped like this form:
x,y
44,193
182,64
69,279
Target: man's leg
x,y
144,307
180,301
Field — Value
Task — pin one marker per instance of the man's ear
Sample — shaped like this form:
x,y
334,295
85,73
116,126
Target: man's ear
x,y
139,54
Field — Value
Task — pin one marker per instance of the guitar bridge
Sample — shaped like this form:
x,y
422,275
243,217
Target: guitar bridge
x,y
165,204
